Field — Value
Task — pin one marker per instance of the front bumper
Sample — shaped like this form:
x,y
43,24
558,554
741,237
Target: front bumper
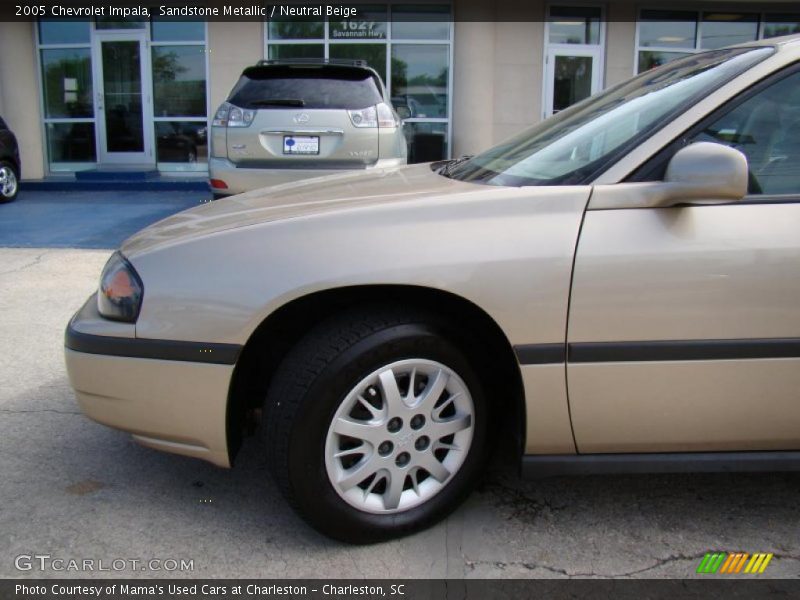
x,y
171,396
243,179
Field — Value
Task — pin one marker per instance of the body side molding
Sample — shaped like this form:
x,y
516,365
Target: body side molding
x,y
540,354
220,354
652,351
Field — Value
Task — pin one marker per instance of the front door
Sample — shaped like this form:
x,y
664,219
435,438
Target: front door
x,y
571,75
124,110
684,331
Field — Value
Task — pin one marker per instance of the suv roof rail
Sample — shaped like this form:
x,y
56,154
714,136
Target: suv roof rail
x,y
313,61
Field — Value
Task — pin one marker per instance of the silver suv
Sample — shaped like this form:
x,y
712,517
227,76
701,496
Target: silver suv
x,y
291,120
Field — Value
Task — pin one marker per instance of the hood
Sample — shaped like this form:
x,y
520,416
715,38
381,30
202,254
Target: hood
x,y
297,199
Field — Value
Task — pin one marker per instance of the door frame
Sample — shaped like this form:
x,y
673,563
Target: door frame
x,y
104,157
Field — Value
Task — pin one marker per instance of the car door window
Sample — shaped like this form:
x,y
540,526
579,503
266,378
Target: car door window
x,y
766,128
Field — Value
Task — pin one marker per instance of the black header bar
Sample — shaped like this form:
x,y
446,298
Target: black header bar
x,y
511,11
705,587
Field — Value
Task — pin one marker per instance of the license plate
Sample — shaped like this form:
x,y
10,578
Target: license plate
x,y
301,144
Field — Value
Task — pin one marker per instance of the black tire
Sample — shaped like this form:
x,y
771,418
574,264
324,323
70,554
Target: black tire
x,y
6,170
309,387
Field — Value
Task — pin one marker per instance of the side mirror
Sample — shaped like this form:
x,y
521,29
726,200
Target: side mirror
x,y
701,173
706,172
403,111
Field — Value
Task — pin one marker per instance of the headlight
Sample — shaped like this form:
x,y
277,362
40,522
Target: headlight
x,y
121,290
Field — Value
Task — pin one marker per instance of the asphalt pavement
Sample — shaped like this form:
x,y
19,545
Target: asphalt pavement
x,y
73,489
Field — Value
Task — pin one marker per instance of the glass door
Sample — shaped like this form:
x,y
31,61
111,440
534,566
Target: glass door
x,y
122,98
572,75
575,38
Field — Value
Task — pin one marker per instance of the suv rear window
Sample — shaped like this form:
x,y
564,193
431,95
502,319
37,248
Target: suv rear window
x,y
306,87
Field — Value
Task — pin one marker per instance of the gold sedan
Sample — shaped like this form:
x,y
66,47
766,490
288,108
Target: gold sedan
x,y
618,286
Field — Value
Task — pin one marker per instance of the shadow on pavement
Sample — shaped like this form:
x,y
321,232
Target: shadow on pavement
x,y
80,219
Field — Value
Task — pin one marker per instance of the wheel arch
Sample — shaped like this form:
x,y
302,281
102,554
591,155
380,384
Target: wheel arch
x,y
14,162
283,328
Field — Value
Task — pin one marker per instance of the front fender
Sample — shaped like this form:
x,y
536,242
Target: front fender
x,y
508,250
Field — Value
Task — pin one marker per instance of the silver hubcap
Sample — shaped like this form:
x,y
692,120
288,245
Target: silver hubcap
x,y
399,436
8,182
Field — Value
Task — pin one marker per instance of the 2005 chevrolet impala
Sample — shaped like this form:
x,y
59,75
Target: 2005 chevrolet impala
x,y
622,281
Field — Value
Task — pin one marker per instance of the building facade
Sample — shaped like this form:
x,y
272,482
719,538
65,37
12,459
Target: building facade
x,y
85,94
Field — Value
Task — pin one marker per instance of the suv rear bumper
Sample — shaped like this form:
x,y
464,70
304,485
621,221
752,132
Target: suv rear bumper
x,y
243,179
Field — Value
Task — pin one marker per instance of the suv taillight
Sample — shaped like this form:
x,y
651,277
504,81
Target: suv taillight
x,y
386,116
229,115
380,115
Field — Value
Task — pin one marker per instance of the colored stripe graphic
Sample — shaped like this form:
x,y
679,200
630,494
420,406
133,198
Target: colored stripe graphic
x,y
715,566
728,561
734,562
704,563
759,563
711,562
766,562
741,562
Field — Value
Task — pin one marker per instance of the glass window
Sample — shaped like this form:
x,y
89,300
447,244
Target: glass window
x,y
374,54
668,29
63,31
177,31
573,25
179,81
296,29
781,24
572,81
725,29
650,59
287,51
574,145
181,142
420,78
421,22
766,128
70,142
67,82
427,142
369,25
122,88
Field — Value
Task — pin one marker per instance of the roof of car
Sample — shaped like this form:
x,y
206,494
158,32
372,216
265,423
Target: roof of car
x,y
340,62
784,40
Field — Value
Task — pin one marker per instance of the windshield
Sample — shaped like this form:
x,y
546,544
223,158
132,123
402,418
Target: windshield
x,y
580,142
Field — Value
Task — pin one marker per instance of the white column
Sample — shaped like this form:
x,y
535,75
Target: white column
x,y
232,46
473,84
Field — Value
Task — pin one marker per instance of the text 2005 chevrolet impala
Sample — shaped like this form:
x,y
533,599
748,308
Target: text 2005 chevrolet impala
x,y
623,280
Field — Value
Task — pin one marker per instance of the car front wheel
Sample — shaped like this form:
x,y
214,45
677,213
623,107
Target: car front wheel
x,y
9,184
376,425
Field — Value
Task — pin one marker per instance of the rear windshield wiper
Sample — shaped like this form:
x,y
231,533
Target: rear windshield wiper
x,y
279,102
